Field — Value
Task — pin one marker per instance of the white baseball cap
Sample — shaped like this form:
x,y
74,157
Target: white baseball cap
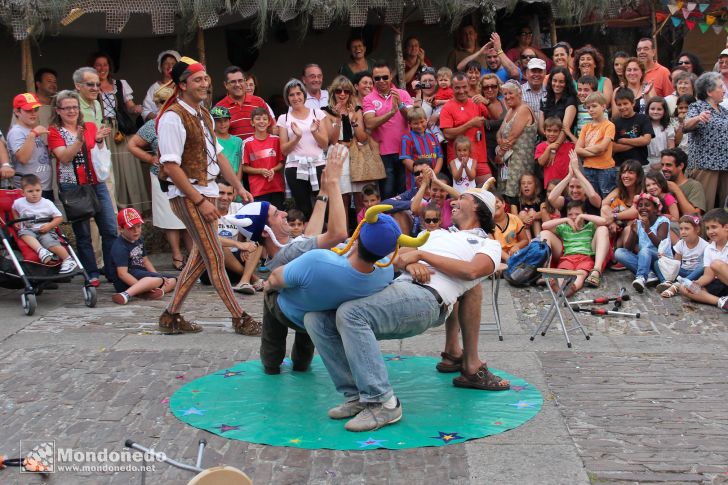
x,y
724,52
537,63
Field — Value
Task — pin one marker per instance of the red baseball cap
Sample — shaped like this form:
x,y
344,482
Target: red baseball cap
x,y
26,102
129,217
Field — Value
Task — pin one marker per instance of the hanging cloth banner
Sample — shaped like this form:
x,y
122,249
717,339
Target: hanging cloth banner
x,y
686,12
691,6
710,19
676,21
690,24
672,9
717,29
703,7
703,27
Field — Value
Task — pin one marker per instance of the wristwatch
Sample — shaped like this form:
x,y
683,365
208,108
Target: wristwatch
x,y
323,198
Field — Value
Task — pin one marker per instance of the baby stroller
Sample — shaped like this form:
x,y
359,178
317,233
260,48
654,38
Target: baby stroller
x,y
20,266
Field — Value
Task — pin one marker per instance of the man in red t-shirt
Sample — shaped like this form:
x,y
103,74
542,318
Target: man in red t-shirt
x,y
656,74
240,104
263,161
461,116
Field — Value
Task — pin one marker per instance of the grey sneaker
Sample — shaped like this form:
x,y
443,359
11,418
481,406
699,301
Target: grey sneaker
x,y
347,409
44,255
639,284
374,416
723,303
652,279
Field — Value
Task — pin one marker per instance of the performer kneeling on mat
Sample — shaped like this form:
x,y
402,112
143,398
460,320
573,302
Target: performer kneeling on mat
x,y
448,268
191,159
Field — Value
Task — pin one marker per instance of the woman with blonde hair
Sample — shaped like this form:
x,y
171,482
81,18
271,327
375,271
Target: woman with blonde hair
x,y
347,127
490,91
634,75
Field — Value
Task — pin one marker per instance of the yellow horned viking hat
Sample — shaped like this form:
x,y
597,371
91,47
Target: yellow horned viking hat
x,y
381,235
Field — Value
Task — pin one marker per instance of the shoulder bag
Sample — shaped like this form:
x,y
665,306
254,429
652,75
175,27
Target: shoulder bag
x,y
365,163
80,203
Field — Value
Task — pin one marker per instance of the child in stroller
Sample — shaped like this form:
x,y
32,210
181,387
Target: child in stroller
x,y
40,237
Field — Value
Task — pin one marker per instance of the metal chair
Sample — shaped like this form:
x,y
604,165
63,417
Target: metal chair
x,y
551,275
495,281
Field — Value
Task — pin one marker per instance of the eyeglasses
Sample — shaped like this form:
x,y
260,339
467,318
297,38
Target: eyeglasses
x,y
381,78
342,91
92,85
433,220
418,173
69,108
526,56
490,86
525,34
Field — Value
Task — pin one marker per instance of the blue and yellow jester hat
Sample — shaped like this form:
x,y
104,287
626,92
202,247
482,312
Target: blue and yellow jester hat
x,y
380,235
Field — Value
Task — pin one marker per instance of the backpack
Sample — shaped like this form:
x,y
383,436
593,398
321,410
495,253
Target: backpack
x,y
522,266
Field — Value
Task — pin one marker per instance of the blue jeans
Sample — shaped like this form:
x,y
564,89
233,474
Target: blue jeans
x,y
105,220
684,273
394,183
347,339
641,263
603,180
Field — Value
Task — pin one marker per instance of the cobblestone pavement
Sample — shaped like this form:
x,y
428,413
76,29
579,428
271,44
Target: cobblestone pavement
x,y
641,402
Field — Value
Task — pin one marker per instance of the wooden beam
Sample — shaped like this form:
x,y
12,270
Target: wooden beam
x,y
200,42
26,63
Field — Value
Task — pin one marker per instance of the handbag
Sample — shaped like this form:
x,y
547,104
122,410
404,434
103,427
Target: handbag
x,y
365,164
101,158
80,203
124,122
669,267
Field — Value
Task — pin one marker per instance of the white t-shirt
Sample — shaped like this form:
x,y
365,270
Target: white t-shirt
x,y
171,137
463,183
659,142
42,208
226,230
691,258
713,254
462,245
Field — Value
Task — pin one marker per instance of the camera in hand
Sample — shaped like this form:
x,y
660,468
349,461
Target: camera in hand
x,y
423,86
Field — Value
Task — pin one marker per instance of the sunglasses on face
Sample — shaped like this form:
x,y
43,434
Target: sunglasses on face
x,y
526,56
381,78
418,173
92,85
490,86
342,91
682,63
433,220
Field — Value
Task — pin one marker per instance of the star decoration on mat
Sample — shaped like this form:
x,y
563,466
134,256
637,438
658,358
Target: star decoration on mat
x,y
498,423
447,437
193,410
295,441
519,388
395,358
227,427
181,377
231,373
370,442
165,400
523,404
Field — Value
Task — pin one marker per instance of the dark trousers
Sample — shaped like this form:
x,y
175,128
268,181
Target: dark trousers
x,y
301,190
273,339
394,183
275,198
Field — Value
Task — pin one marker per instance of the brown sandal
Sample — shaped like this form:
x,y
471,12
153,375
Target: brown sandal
x,y
247,325
484,380
445,368
174,323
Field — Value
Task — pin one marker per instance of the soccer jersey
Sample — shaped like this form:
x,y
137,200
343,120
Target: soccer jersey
x,y
416,146
263,154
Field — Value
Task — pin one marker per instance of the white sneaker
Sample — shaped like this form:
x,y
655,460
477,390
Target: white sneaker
x,y
652,279
639,284
723,303
68,266
44,255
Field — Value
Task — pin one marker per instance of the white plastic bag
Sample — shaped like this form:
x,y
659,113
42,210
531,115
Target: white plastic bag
x,y
101,158
668,267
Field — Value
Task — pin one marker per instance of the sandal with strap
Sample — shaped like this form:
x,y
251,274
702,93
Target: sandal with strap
x,y
178,263
594,280
484,380
174,323
673,290
445,368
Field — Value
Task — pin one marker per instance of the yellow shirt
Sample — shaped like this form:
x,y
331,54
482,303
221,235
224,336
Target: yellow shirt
x,y
508,236
593,134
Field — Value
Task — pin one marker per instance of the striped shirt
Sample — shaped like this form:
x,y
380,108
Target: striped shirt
x,y
415,146
533,98
578,242
240,123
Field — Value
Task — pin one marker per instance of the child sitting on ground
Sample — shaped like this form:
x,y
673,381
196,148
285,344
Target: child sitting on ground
x,y
131,272
508,229
639,252
712,287
40,237
576,231
296,221
369,197
552,157
689,251
528,205
548,211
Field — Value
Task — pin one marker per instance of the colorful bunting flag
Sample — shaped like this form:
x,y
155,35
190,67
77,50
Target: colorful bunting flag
x,y
690,24
703,27
710,19
672,9
691,6
676,21
686,12
717,29
703,7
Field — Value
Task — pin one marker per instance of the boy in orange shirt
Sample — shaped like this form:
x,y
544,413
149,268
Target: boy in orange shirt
x,y
594,146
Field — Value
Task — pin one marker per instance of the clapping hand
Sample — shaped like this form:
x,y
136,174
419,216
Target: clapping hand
x,y
315,125
296,129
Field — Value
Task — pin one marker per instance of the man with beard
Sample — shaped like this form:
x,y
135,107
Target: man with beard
x,y
689,192
496,61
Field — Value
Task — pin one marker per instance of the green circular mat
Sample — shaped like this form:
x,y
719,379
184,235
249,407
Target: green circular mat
x,y
289,409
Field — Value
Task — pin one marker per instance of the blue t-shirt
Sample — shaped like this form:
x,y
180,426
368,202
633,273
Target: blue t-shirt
x,y
501,73
643,239
321,280
126,254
